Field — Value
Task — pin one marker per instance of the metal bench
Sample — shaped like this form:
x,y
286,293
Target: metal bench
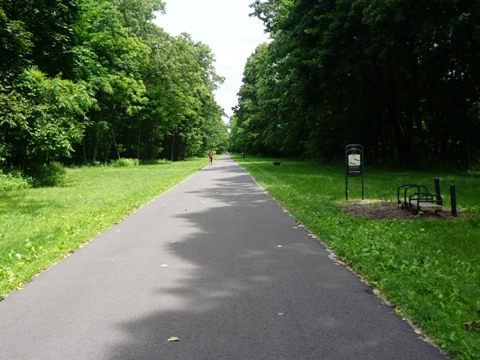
x,y
417,198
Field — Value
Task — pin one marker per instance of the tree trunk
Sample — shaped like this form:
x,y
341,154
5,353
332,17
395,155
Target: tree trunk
x,y
467,147
95,147
84,149
115,144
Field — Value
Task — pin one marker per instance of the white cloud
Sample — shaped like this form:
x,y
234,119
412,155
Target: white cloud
x,y
229,31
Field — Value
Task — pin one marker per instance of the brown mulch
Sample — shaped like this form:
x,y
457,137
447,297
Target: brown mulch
x,y
383,210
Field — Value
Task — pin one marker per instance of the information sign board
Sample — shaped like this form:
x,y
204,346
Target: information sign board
x,y
353,165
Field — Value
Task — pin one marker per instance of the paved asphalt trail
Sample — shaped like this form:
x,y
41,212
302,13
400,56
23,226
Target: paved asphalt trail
x,y
218,264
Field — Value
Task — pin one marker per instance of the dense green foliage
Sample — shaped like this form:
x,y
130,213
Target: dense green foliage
x,y
400,77
39,226
85,81
426,267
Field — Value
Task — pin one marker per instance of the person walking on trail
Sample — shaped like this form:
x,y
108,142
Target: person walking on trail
x,y
210,157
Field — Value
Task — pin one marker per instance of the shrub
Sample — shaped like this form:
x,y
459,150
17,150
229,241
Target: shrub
x,y
475,170
124,162
12,181
51,174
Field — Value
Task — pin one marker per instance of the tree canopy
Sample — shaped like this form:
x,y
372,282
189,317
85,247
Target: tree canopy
x,y
93,80
400,77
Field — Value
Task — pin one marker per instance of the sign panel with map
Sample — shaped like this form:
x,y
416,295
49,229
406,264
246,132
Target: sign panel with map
x,y
354,160
353,164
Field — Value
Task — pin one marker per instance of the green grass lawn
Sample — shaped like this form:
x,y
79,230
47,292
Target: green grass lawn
x,y
426,267
42,225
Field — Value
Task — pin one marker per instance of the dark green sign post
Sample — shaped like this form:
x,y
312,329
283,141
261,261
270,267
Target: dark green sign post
x,y
354,165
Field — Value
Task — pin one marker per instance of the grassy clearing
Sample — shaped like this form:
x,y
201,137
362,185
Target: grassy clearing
x,y
41,226
427,268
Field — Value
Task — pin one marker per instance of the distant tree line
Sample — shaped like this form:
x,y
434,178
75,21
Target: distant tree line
x,y
400,77
85,81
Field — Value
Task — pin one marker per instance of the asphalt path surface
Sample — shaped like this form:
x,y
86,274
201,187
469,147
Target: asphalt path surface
x,y
218,265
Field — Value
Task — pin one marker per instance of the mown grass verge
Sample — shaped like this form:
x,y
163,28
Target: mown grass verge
x,y
428,268
39,226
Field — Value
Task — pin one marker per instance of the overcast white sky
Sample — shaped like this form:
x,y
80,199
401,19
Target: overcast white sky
x,y
225,26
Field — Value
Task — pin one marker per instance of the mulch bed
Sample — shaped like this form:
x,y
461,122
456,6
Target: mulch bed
x,y
383,210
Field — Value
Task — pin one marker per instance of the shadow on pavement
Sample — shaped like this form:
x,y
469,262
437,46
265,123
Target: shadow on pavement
x,y
248,283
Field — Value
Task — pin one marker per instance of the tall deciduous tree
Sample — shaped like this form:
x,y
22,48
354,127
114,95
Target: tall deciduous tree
x,y
112,61
50,24
401,77
15,47
97,80
41,119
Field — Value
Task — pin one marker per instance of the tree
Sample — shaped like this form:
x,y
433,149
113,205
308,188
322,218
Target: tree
x,y
15,47
112,62
87,81
41,119
248,114
138,14
181,81
401,77
49,24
